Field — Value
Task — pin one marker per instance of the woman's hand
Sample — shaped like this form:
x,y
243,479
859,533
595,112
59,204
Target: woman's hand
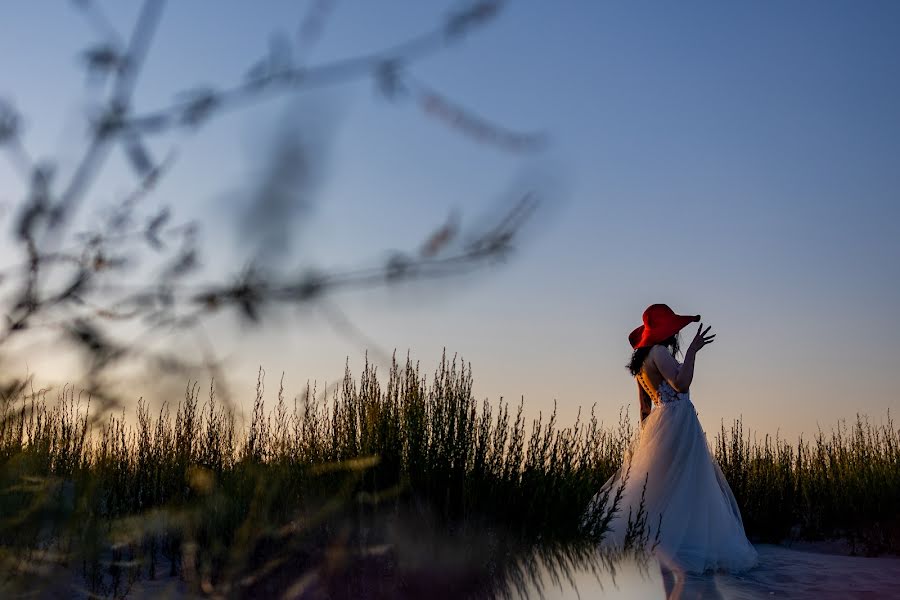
x,y
701,339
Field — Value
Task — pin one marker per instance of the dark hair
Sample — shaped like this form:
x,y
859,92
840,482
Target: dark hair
x,y
640,354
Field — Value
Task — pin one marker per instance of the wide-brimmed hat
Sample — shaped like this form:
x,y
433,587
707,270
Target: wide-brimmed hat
x,y
660,323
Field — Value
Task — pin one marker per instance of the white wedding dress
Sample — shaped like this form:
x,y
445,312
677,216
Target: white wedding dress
x,y
701,527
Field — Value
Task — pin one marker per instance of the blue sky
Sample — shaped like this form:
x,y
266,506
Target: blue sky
x,y
734,160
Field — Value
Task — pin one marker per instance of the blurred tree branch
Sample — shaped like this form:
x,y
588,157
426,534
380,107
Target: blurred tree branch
x,y
79,283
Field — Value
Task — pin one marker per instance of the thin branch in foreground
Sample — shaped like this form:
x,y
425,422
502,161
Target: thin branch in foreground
x,y
86,289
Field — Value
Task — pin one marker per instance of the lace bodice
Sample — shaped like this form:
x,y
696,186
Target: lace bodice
x,y
662,395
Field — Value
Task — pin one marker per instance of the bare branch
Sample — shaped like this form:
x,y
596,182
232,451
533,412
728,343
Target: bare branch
x,y
93,287
112,119
10,126
471,124
313,24
264,81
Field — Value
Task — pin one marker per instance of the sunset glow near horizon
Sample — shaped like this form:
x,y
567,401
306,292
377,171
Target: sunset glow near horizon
x,y
741,162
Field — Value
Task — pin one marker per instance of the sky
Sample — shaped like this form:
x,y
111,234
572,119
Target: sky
x,y
735,160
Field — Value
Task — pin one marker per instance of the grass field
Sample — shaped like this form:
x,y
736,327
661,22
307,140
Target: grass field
x,y
842,484
402,475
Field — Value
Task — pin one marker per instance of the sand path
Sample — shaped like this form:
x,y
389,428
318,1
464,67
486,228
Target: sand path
x,y
781,573
787,573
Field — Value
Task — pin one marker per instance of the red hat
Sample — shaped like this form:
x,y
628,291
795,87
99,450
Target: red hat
x,y
660,323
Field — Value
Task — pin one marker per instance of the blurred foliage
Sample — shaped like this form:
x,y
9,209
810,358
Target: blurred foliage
x,y
373,476
136,272
376,487
306,497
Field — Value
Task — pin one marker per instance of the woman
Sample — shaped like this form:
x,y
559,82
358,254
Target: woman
x,y
688,505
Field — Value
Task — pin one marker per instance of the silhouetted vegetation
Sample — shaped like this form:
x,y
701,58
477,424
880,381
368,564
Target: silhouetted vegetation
x,y
379,486
842,485
364,471
327,486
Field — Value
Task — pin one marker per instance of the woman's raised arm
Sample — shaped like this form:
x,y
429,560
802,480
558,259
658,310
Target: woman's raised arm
x,y
680,378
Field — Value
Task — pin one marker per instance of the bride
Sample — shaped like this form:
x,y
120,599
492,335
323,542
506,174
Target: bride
x,y
684,491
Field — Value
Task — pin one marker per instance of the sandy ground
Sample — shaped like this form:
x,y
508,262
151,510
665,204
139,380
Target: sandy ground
x,y
782,573
790,573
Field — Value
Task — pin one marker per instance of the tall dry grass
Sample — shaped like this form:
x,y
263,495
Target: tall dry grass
x,y
845,484
399,480
184,491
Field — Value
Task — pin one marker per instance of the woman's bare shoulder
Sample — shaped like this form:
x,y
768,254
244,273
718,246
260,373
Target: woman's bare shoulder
x,y
649,365
656,351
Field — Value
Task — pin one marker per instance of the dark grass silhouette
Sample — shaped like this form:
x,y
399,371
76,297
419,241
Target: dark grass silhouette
x,y
382,486
843,485
348,483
